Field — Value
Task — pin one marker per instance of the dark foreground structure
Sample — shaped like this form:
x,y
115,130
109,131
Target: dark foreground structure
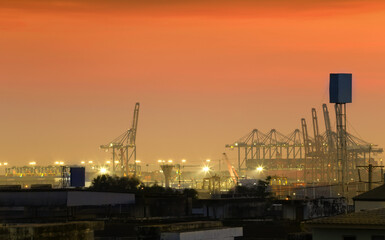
x,y
77,214
358,225
80,214
71,230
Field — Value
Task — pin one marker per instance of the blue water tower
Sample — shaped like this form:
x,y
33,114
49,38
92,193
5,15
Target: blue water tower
x,y
340,88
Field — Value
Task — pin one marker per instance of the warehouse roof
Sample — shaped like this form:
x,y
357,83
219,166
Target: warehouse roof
x,y
67,198
376,194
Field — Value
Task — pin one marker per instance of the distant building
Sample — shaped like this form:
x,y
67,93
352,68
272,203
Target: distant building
x,y
60,203
363,225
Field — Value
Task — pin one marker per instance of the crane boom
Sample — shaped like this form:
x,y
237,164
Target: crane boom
x,y
134,124
232,171
315,123
306,145
317,137
305,136
328,128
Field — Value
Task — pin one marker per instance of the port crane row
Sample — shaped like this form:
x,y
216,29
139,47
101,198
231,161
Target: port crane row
x,y
300,156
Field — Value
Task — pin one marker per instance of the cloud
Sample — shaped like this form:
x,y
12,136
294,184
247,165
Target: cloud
x,y
18,14
216,8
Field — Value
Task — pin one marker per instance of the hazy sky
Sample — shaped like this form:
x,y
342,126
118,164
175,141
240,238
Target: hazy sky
x,y
205,72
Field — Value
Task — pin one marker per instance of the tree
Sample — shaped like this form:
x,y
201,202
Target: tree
x,y
119,184
259,190
102,183
134,185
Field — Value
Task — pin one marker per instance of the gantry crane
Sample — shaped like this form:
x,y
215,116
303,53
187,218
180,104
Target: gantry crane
x,y
124,147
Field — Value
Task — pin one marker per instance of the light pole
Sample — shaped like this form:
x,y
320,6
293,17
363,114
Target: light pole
x,y
183,162
179,176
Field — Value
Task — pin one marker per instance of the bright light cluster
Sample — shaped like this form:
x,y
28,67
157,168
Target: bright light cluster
x,y
103,170
206,169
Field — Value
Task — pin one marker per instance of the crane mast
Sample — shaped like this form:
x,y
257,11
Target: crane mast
x,y
328,128
330,144
317,157
307,144
315,123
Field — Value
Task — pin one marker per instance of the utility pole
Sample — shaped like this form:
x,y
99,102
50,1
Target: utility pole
x,y
370,169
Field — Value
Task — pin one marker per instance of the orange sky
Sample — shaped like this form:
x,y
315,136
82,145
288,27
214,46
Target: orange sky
x,y
205,73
